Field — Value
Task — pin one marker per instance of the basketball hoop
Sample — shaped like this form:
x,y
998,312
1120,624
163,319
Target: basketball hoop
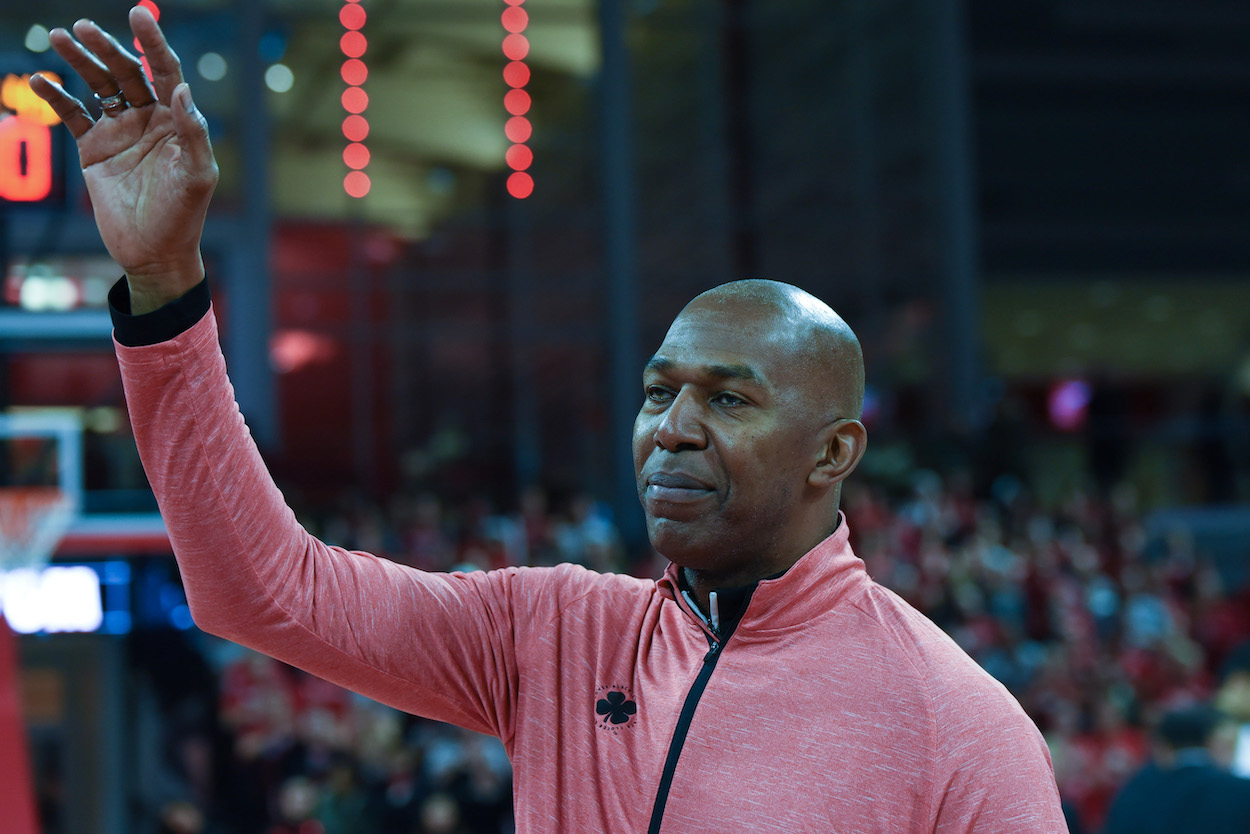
x,y
32,521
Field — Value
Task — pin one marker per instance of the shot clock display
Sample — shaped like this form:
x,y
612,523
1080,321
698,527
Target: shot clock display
x,y
27,162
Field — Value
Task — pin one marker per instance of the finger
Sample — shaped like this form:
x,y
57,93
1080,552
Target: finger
x,y
87,65
165,66
69,109
123,67
192,130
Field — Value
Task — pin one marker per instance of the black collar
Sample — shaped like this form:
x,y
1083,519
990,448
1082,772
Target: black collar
x,y
731,603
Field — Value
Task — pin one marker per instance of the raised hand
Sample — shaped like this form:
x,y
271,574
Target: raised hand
x,y
147,161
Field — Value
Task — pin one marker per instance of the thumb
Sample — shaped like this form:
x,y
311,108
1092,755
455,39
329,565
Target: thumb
x,y
192,130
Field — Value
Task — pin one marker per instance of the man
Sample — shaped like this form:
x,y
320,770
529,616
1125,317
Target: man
x,y
1233,699
764,684
1183,789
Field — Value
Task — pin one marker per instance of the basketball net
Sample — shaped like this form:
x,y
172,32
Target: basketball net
x,y
32,521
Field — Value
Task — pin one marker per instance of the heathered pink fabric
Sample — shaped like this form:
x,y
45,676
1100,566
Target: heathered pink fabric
x,y
835,706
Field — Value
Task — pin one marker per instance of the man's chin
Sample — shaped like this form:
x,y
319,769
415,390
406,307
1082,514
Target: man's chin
x,y
684,543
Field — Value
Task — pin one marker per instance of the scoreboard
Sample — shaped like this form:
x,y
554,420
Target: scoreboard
x,y
28,170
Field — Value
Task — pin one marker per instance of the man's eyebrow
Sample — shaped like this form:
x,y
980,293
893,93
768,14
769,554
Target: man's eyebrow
x,y
661,364
743,372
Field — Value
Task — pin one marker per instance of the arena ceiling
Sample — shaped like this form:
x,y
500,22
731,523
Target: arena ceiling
x,y
435,89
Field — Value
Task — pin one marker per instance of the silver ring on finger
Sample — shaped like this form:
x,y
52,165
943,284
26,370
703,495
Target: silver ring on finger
x,y
112,105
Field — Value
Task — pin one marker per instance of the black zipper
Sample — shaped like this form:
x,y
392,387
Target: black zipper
x,y
680,731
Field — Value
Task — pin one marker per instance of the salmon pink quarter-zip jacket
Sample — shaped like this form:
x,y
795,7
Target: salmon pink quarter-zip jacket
x,y
832,707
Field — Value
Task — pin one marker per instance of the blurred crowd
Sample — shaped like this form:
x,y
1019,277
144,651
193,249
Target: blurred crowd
x,y
1062,605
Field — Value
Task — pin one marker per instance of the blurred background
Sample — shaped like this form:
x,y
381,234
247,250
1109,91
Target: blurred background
x,y
448,235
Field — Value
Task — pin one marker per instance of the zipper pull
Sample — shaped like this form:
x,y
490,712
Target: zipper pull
x,y
712,652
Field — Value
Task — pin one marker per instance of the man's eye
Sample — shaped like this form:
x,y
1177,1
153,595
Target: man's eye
x,y
656,394
725,398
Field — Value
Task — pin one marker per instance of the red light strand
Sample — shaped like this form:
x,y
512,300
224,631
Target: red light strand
x,y
156,15
355,71
516,75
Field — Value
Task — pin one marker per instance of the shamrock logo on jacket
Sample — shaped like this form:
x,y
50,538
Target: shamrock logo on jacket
x,y
615,708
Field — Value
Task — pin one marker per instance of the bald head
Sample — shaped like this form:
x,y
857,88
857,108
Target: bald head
x,y
824,345
748,427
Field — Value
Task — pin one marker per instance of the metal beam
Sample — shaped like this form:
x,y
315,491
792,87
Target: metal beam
x,y
620,251
957,209
1153,15
1093,70
78,326
246,259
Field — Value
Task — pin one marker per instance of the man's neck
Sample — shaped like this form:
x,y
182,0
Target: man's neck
x,y
700,584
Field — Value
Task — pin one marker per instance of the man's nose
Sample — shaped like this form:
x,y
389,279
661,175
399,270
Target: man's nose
x,y
681,427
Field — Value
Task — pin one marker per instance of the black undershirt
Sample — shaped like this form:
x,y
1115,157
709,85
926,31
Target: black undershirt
x,y
160,325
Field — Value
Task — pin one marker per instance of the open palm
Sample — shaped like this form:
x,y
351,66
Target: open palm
x,y
149,168
147,202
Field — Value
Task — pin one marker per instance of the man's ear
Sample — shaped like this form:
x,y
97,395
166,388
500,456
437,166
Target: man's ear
x,y
843,443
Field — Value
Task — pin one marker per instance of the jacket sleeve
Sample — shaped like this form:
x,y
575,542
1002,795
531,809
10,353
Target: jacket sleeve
x,y
993,764
439,645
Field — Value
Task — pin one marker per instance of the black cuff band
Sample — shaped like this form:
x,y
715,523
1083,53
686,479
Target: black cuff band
x,y
161,324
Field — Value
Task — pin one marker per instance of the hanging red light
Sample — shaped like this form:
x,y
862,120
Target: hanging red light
x,y
156,15
355,71
517,102
519,157
356,128
516,75
520,184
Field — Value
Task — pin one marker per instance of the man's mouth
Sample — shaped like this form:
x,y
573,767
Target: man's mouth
x,y
675,487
